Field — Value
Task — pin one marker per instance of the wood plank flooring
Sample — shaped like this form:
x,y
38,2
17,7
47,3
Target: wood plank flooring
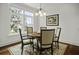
x,y
71,50
5,52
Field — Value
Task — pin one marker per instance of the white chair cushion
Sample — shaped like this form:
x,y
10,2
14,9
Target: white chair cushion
x,y
26,41
47,46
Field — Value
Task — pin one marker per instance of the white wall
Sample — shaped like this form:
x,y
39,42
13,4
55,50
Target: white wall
x,y
68,21
5,38
4,26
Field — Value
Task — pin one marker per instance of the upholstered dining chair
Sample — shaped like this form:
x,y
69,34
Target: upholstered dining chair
x,y
46,40
29,30
25,40
57,36
43,28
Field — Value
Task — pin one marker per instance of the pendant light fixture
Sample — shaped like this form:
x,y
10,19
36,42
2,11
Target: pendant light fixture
x,y
41,11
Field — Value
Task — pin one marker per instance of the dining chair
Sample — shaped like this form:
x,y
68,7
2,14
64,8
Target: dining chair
x,y
46,40
29,30
57,36
25,41
43,28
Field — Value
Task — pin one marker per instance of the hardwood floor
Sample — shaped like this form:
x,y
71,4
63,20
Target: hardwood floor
x,y
71,50
5,52
4,49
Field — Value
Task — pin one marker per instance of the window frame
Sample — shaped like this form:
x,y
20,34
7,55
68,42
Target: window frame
x,y
22,21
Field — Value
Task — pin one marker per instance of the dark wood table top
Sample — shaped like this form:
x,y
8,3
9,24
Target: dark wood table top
x,y
35,35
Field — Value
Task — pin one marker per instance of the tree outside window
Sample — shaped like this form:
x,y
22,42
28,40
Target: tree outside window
x,y
20,18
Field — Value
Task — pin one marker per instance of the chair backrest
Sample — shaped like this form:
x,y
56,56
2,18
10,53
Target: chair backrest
x,y
58,32
29,30
43,28
47,36
20,32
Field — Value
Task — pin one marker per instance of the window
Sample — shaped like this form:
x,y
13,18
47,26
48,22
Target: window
x,y
28,13
19,18
28,20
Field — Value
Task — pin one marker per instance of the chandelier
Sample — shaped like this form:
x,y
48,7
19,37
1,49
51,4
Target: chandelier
x,y
40,12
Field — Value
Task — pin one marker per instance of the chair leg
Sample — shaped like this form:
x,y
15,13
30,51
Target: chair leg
x,y
55,44
22,50
37,45
51,52
51,49
58,45
40,53
33,46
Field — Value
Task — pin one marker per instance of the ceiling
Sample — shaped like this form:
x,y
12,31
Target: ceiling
x,y
34,5
37,5
44,5
48,7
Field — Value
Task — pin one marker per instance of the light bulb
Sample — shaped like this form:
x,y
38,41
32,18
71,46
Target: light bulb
x,y
39,12
36,14
44,13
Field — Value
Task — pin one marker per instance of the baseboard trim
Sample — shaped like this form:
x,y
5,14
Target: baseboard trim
x,y
6,46
68,44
